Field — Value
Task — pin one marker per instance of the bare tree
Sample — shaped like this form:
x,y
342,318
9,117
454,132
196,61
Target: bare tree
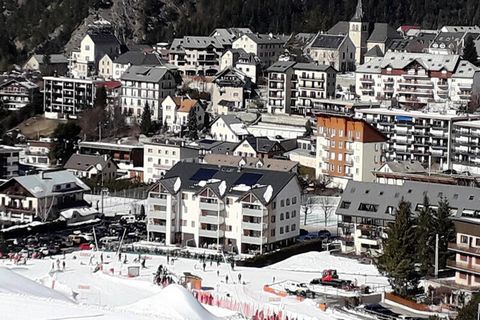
x,y
327,205
323,182
307,209
473,104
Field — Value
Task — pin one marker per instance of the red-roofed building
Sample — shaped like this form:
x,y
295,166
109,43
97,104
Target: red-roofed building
x,y
175,112
348,149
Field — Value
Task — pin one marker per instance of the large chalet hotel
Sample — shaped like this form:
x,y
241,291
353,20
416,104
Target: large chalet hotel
x,y
416,79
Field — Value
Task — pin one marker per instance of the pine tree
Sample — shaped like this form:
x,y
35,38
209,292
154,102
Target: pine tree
x,y
469,311
470,51
445,228
64,140
146,123
425,238
192,125
398,259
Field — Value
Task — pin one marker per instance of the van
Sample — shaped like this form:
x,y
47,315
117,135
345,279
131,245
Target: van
x,y
129,218
108,240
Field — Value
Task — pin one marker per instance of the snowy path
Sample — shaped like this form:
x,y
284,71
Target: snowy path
x,y
118,293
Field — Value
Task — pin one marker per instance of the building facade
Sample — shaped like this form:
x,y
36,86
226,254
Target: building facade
x,y
161,154
299,87
67,97
414,135
348,149
142,85
240,210
416,79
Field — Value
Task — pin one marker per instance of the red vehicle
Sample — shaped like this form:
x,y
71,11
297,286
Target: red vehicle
x,y
86,246
330,278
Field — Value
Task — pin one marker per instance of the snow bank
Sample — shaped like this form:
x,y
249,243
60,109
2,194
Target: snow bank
x,y
174,299
316,262
12,282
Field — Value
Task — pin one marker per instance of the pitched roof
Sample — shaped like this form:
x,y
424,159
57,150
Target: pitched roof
x,y
145,73
400,60
374,52
383,32
54,58
281,66
235,124
104,38
84,162
463,199
197,176
42,184
138,58
328,41
267,38
358,15
312,66
340,27
405,166
261,144
195,42
250,162
184,104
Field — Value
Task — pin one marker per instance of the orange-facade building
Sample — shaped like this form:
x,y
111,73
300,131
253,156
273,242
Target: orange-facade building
x,y
348,148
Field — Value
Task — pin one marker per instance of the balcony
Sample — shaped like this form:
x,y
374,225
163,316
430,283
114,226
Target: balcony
x,y
212,219
160,215
424,84
252,211
369,240
211,233
415,75
254,240
210,205
366,80
157,198
156,228
464,248
253,226
463,266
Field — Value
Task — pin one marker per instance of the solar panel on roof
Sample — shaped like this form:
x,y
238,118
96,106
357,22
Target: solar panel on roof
x,y
204,174
248,179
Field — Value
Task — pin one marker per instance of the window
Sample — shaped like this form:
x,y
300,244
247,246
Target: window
x,y
185,196
281,230
272,219
462,275
274,204
345,205
477,242
272,232
193,224
294,213
282,203
281,216
464,239
294,226
287,228
368,207
287,215
184,223
294,200
288,201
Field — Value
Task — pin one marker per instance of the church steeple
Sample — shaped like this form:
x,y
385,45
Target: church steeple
x,y
358,16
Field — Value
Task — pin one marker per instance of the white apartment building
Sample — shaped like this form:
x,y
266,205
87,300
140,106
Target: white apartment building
x,y
176,111
415,79
239,209
35,154
146,84
67,97
16,94
466,146
299,87
228,128
134,58
93,47
416,135
161,154
267,47
196,56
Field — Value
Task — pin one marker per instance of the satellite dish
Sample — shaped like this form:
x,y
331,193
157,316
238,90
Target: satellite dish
x,y
99,167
